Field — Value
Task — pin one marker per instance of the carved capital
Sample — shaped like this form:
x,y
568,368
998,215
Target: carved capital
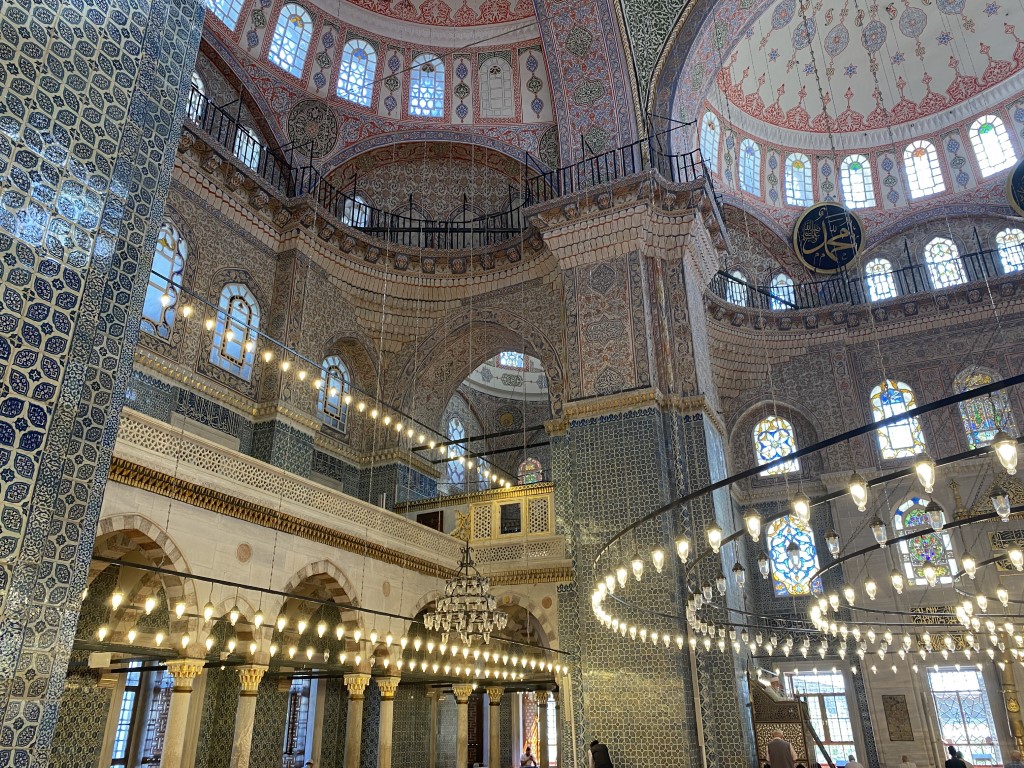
x,y
184,671
462,693
494,696
388,686
356,685
250,677
542,697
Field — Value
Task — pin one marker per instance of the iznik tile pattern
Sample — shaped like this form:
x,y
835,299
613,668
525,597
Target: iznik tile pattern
x,y
447,723
283,446
94,101
220,703
411,733
370,745
332,748
269,724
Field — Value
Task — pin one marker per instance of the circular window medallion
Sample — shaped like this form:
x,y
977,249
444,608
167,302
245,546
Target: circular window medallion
x,y
243,553
827,237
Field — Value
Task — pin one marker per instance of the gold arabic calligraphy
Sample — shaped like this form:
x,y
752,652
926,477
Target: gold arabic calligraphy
x,y
828,238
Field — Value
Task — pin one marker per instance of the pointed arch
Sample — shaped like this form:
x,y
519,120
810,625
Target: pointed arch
x,y
290,42
798,180
356,72
750,167
856,183
991,145
924,174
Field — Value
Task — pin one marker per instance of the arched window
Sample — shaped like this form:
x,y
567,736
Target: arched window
x,y
783,292
227,11
985,415
164,282
514,360
856,183
426,86
789,578
798,180
924,176
331,397
932,547
495,79
774,438
530,471
878,276
1010,243
196,106
234,336
355,76
456,468
357,212
750,167
735,289
290,43
991,143
247,147
710,140
902,438
943,260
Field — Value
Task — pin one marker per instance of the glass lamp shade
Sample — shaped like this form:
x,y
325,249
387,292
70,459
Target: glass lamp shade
x,y
1005,448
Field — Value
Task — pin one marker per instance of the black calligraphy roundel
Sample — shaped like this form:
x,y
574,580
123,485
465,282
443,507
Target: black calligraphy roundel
x,y
827,237
1015,188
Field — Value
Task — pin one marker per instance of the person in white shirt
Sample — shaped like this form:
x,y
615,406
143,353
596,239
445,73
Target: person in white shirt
x,y
905,762
851,762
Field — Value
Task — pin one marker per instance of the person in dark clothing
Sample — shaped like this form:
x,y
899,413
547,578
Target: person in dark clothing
x,y
954,761
597,756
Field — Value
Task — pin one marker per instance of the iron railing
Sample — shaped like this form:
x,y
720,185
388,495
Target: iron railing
x,y
846,288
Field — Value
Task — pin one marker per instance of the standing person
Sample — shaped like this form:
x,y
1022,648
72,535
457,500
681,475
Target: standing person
x,y
851,762
597,755
1015,760
954,761
906,763
780,752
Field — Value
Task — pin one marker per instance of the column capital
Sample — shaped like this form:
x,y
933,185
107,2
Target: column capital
x,y
542,696
556,694
462,692
388,686
184,671
494,695
250,677
356,685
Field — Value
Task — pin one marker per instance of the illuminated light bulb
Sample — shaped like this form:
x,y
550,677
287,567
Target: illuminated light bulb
x,y
870,589
930,574
229,335
1000,502
832,542
209,324
420,438
159,638
802,507
849,594
1005,448
301,626
763,565
302,375
185,640
233,615
268,356
179,609
273,649
398,426
318,384
286,365
357,634
638,568
982,602
897,581
253,648
1003,596
935,516
714,534
1016,557
683,549
249,345
970,564
102,633
149,605
609,582
878,530
339,631
858,491
321,629
186,310
924,468
208,610
165,299
374,413
292,650
282,622
658,558
752,521
833,601
209,644
373,636
361,406
309,653
621,574
387,420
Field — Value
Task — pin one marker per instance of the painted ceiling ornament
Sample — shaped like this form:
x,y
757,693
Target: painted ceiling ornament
x,y
827,237
1015,188
313,128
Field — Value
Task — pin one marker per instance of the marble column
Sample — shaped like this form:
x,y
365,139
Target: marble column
x,y
462,694
356,684
542,728
494,727
1012,702
245,715
434,696
388,686
184,671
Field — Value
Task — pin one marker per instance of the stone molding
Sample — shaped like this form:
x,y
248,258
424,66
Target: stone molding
x,y
388,686
356,684
250,677
462,692
580,410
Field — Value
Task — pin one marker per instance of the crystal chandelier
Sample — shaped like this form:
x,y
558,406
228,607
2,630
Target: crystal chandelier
x,y
468,607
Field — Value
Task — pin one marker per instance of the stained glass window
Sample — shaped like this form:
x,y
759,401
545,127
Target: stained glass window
x,y
773,439
495,79
290,42
983,416
164,282
426,86
247,147
783,292
456,469
710,139
1010,243
828,708
355,75
750,167
921,163
991,143
227,11
878,276
297,733
856,183
943,260
126,715
902,438
736,289
508,359
196,105
234,337
530,471
331,397
932,547
787,578
964,713
798,180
